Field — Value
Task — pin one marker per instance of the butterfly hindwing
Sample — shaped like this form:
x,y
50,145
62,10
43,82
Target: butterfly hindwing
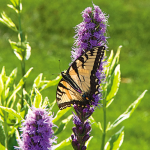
x,y
66,95
79,83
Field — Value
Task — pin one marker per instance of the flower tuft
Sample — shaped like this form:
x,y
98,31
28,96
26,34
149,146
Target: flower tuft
x,y
37,133
91,32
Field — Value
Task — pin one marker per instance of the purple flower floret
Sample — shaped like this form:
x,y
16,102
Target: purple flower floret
x,y
37,133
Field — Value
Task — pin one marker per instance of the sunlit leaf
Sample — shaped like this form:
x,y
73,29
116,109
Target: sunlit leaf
x,y
93,122
38,83
115,61
88,141
12,95
114,85
15,2
17,134
46,104
51,83
2,147
21,49
109,61
1,86
63,144
8,22
11,78
115,141
60,113
52,104
12,112
17,48
62,125
22,81
2,135
128,112
37,99
19,85
28,51
15,5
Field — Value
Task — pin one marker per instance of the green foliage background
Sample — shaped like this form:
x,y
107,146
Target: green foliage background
x,y
49,26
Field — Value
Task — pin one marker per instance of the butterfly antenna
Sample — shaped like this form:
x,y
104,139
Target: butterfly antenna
x,y
59,66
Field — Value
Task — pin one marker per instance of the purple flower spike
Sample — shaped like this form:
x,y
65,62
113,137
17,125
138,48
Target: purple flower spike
x,y
82,127
37,133
89,33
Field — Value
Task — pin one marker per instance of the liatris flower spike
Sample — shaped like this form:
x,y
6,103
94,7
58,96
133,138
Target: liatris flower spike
x,y
89,34
82,127
37,133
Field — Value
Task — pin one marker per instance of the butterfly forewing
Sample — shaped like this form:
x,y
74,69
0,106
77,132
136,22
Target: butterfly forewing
x,y
82,73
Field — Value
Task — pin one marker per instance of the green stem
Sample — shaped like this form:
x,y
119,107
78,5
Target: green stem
x,y
104,111
5,130
23,52
23,73
104,128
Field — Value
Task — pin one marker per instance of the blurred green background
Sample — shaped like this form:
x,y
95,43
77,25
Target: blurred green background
x,y
49,26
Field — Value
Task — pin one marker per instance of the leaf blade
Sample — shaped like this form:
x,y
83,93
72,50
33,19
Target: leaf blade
x,y
128,111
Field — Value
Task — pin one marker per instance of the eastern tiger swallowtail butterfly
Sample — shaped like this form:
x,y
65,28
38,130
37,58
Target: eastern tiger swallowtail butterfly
x,y
79,82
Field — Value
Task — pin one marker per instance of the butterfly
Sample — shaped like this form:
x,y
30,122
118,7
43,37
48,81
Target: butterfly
x,y
79,83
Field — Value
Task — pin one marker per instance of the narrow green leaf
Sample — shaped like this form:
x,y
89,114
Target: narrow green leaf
x,y
60,113
51,83
37,99
1,86
17,134
114,85
12,112
11,78
15,5
62,125
28,51
88,141
109,61
17,49
2,135
8,22
3,73
12,95
52,104
38,81
22,81
2,147
63,144
46,104
128,112
15,2
21,49
12,7
93,122
115,141
115,61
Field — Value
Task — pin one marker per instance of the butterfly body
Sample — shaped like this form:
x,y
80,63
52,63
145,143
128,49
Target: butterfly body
x,y
79,83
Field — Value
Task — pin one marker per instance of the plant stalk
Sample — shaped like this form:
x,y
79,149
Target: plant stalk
x,y
104,128
23,52
5,129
